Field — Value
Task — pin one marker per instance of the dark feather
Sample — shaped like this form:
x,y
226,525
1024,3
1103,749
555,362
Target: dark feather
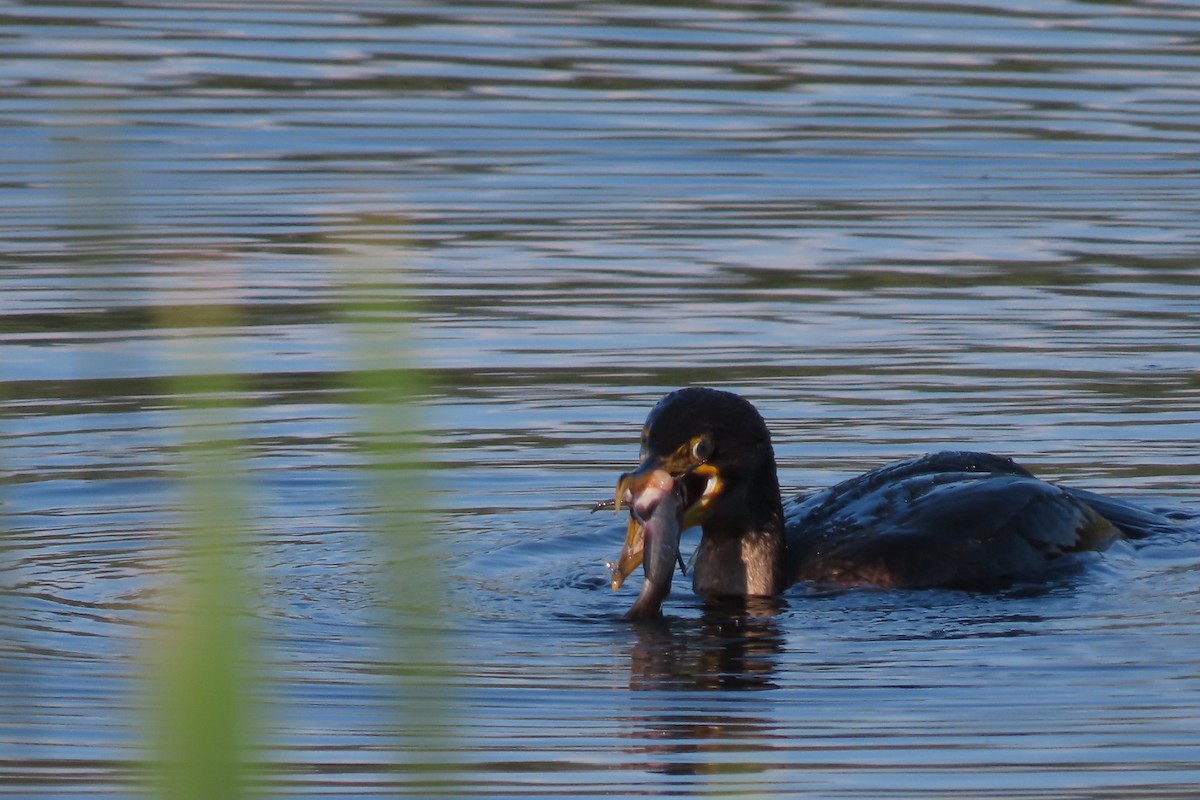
x,y
944,519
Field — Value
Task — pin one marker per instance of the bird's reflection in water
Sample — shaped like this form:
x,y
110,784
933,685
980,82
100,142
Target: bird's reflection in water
x,y
734,647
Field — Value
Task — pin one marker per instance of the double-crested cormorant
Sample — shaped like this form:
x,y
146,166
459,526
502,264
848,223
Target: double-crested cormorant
x,y
950,519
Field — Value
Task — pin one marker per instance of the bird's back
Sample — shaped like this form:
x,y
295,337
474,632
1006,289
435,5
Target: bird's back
x,y
946,519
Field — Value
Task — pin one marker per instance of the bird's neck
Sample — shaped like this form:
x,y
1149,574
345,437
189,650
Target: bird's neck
x,y
743,551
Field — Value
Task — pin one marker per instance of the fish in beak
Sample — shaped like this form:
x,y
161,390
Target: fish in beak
x,y
659,511
655,504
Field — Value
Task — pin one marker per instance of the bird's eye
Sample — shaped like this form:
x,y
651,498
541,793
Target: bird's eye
x,y
702,448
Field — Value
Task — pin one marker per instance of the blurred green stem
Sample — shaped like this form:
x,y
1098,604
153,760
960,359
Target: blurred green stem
x,y
378,315
203,701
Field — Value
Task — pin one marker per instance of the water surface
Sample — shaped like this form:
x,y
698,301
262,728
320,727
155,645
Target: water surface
x,y
895,227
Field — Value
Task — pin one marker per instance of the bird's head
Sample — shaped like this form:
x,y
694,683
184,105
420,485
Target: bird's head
x,y
716,447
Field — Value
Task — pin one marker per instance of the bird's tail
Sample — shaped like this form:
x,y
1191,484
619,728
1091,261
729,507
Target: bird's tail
x,y
1135,521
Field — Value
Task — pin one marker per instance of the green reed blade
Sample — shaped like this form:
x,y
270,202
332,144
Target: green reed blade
x,y
202,697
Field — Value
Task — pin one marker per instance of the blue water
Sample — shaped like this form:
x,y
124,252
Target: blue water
x,y
896,228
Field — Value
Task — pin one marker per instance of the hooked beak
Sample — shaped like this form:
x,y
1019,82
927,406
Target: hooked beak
x,y
701,483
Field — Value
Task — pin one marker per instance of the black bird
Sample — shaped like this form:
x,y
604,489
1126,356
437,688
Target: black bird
x,y
949,519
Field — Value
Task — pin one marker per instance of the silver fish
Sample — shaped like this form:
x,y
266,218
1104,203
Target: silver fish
x,y
653,539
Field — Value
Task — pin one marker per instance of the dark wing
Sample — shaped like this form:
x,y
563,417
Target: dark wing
x,y
1134,521
950,519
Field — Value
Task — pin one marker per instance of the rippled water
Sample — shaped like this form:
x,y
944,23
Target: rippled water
x,y
895,227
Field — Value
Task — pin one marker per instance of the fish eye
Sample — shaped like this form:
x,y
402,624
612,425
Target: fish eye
x,y
702,448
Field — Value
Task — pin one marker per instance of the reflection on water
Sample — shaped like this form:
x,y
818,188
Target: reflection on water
x,y
730,649
897,228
